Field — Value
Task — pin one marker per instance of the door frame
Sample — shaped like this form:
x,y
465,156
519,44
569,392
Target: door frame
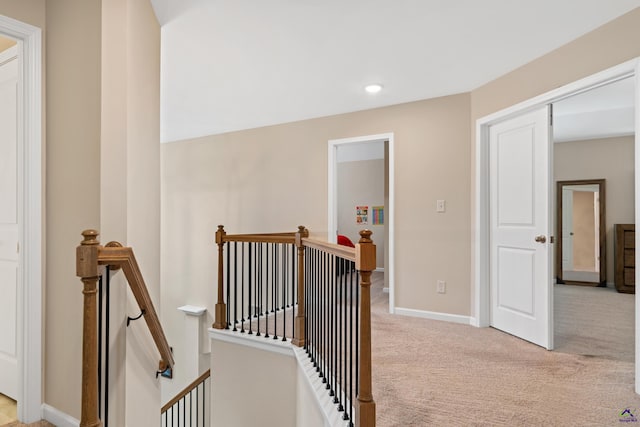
x,y
332,214
480,261
31,236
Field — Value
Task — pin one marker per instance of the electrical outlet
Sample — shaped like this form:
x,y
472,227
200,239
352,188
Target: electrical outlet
x,y
442,287
440,205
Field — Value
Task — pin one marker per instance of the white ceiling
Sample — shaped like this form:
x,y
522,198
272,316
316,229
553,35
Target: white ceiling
x,y
232,65
607,111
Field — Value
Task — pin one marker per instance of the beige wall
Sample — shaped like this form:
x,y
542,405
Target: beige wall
x,y
73,70
275,178
130,193
73,184
596,51
611,159
584,236
266,379
361,183
6,43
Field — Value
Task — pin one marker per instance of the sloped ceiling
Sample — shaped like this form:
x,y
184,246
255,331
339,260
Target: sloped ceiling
x,y
232,65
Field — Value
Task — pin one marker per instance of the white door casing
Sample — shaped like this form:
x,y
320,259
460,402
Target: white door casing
x,y
9,227
519,209
30,208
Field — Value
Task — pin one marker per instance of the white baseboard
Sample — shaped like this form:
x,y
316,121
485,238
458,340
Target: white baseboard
x,y
380,269
385,290
58,418
433,315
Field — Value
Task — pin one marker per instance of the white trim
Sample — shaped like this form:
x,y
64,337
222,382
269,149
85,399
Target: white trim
x,y
637,220
332,418
192,310
379,269
389,217
481,215
434,315
57,417
31,235
274,346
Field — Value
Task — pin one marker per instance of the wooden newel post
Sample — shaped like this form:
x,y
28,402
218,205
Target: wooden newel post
x,y
299,338
88,270
220,321
365,263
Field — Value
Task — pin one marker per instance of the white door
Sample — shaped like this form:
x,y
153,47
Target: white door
x,y
8,224
520,223
567,229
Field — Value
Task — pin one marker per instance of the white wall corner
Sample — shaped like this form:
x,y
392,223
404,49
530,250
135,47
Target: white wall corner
x,y
57,417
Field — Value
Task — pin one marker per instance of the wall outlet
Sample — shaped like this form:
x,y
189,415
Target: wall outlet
x,y
442,287
440,206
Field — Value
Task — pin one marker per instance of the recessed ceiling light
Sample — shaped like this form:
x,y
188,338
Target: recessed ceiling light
x,y
373,88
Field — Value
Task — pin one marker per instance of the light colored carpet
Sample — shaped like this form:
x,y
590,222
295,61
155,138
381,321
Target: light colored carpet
x,y
594,322
437,373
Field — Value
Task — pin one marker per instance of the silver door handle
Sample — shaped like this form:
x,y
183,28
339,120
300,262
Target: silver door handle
x,y
541,239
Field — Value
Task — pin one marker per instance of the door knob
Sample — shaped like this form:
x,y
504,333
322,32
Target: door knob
x,y
541,239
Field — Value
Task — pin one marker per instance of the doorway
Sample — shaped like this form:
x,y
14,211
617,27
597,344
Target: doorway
x,y
483,235
29,212
376,209
594,170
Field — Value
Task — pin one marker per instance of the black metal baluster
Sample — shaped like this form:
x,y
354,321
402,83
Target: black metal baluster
x,y
351,361
285,304
250,284
191,407
100,285
107,320
330,367
275,291
228,299
357,331
306,299
242,268
235,286
259,285
294,263
334,332
345,416
267,293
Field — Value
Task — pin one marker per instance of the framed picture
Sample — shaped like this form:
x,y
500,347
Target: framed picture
x,y
362,215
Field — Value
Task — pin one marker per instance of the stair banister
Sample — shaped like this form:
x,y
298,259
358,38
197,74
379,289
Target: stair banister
x,y
91,257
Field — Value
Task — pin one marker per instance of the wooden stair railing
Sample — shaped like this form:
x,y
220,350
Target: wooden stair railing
x,y
364,257
91,257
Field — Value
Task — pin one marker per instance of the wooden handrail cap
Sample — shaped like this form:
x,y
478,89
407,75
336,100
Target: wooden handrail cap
x,y
90,238
221,228
365,236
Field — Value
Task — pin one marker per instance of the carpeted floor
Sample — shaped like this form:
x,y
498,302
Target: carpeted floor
x,y
437,373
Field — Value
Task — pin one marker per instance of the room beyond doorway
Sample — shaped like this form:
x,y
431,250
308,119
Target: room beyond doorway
x,y
375,210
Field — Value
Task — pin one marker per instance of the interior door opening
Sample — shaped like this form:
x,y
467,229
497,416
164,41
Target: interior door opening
x,y
361,196
594,172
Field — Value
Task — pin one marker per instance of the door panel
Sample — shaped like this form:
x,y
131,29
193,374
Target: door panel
x,y
519,212
9,229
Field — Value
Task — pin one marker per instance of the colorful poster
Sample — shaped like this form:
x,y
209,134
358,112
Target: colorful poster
x,y
362,215
377,215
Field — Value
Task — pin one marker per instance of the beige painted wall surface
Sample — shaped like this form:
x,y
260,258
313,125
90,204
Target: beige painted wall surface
x,y
73,184
246,374
361,183
584,235
611,159
598,50
275,178
6,43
